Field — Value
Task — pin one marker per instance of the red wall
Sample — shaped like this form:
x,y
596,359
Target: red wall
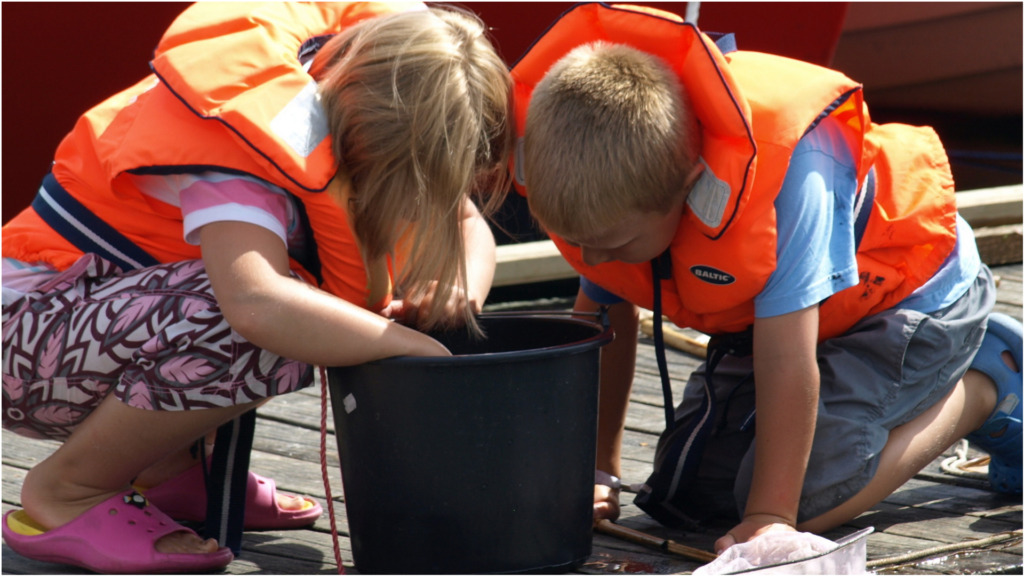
x,y
803,30
61,58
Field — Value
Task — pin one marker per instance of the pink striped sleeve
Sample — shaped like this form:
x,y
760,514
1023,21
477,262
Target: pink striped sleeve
x,y
233,199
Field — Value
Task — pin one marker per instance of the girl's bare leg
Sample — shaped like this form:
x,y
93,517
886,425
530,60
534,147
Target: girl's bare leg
x,y
174,464
106,452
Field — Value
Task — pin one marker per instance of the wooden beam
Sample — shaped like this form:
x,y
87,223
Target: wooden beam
x,y
1000,245
996,215
992,206
530,262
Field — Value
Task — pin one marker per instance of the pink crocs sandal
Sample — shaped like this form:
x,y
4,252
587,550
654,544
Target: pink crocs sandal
x,y
114,537
184,498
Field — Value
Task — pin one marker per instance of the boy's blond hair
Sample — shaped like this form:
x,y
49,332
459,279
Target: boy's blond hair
x,y
419,105
608,132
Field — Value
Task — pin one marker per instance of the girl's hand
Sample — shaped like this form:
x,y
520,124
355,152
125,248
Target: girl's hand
x,y
426,346
480,264
752,526
410,313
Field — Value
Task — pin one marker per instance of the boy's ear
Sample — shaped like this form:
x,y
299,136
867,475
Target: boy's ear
x,y
694,174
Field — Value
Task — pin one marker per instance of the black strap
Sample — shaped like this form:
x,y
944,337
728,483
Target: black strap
x,y
863,206
681,447
228,481
661,269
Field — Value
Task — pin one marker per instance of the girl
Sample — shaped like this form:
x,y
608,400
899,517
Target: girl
x,y
289,180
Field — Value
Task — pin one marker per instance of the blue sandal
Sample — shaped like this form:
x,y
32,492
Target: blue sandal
x,y
1004,471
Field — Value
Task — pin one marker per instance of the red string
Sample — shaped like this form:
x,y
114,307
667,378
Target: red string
x,y
323,468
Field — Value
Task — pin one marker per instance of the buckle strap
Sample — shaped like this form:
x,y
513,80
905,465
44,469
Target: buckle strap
x,y
84,229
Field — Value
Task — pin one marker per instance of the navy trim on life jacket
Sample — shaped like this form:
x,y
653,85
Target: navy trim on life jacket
x,y
862,207
84,229
830,109
307,255
172,170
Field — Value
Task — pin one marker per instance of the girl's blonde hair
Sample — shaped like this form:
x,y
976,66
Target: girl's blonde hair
x,y
419,106
608,132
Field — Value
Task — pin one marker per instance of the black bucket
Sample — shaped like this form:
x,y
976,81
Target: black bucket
x,y
481,462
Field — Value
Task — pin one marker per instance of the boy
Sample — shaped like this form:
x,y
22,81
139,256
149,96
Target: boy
x,y
750,197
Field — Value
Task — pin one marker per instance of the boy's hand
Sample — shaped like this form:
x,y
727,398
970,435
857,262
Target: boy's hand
x,y
751,526
606,503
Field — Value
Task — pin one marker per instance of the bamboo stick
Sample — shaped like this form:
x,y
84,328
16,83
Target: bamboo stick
x,y
637,537
676,339
945,549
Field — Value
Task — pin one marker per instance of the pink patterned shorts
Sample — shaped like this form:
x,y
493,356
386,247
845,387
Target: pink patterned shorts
x,y
155,338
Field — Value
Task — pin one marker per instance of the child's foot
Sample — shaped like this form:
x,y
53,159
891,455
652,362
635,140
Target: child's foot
x,y
123,534
52,505
999,358
183,497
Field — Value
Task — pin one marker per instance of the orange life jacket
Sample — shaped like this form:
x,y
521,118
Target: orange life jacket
x,y
753,109
229,93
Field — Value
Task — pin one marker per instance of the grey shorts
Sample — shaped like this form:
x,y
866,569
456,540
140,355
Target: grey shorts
x,y
884,372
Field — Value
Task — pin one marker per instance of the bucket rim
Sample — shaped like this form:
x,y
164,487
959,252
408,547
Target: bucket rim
x,y
603,336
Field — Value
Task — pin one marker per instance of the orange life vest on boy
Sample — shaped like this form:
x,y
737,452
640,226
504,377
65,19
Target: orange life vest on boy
x,y
753,108
229,93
